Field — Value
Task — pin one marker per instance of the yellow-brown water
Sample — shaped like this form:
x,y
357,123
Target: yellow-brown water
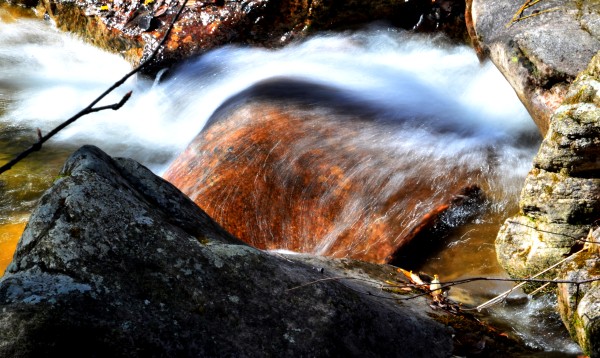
x,y
9,236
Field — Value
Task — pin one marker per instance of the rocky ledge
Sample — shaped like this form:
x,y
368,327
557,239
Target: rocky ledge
x,y
579,304
116,262
558,207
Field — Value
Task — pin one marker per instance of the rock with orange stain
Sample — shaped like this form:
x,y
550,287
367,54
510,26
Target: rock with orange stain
x,y
299,178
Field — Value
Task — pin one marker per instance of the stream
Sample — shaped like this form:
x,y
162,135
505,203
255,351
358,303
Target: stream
x,y
46,76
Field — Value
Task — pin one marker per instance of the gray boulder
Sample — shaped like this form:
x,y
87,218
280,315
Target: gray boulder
x,y
542,53
116,262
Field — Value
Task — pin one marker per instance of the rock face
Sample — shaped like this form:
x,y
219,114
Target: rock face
x,y
315,177
579,305
115,262
559,200
540,55
559,203
133,28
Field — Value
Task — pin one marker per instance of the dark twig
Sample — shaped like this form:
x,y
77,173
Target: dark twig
x,y
90,108
518,16
449,283
328,279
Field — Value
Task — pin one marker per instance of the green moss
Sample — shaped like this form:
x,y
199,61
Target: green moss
x,y
585,94
203,240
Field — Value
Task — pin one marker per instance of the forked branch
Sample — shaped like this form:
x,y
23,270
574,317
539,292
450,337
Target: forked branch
x,y
91,107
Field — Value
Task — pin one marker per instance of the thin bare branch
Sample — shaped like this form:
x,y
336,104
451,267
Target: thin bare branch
x,y
90,107
338,278
448,284
536,13
539,289
42,139
518,16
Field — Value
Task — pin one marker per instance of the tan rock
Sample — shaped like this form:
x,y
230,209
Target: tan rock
x,y
541,52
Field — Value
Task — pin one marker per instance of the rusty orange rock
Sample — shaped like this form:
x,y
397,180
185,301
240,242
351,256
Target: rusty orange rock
x,y
293,177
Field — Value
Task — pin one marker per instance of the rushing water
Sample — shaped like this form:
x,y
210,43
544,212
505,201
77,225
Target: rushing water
x,y
46,76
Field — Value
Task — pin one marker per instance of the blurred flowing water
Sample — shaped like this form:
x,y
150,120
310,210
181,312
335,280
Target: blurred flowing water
x,y
459,111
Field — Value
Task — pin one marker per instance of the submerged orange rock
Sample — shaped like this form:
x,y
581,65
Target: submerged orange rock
x,y
315,180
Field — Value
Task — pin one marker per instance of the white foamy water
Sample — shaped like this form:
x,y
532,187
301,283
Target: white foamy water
x,y
50,76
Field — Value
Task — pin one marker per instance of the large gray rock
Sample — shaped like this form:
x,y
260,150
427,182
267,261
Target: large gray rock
x,y
542,54
116,262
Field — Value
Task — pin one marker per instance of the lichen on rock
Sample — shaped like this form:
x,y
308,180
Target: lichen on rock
x,y
559,200
559,204
579,304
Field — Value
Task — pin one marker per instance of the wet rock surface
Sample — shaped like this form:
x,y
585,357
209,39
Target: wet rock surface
x,y
134,28
116,262
541,52
559,204
559,201
309,176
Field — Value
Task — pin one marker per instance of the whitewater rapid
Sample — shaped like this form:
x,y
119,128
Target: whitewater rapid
x,y
418,78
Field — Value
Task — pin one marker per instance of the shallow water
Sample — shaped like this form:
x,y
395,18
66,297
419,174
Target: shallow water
x,y
461,109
